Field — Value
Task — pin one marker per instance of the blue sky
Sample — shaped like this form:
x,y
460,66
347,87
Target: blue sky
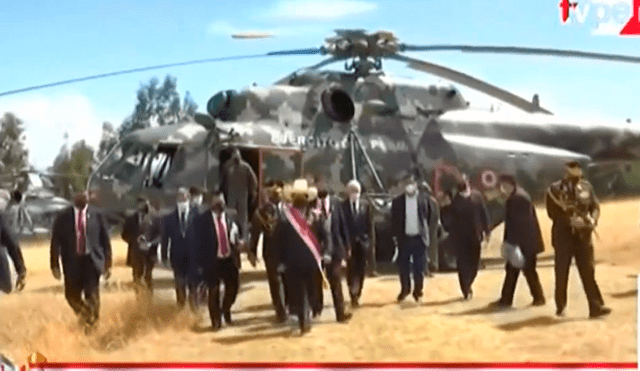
x,y
44,42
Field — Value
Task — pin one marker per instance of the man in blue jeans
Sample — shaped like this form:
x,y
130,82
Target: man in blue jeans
x,y
410,229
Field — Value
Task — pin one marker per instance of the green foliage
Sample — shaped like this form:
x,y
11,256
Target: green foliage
x,y
108,141
158,105
74,166
13,152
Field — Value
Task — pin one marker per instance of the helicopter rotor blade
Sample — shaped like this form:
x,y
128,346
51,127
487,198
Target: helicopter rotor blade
x,y
148,68
471,82
520,50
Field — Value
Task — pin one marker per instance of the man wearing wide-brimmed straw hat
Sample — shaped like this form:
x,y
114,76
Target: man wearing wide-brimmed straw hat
x,y
300,251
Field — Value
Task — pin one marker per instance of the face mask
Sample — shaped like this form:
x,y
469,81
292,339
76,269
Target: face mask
x,y
411,189
354,196
183,205
197,201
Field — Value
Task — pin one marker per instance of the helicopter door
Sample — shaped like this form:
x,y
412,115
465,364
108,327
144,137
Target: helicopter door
x,y
160,164
253,157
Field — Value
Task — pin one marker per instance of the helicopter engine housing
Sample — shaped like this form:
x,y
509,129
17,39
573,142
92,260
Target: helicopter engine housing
x,y
338,105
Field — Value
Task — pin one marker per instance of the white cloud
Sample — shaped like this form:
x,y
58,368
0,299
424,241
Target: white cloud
x,y
226,29
46,120
316,10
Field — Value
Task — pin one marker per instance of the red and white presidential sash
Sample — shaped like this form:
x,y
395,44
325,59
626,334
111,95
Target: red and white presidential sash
x,y
304,231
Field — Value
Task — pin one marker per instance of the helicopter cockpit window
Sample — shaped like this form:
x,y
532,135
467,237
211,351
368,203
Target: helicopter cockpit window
x,y
160,164
131,164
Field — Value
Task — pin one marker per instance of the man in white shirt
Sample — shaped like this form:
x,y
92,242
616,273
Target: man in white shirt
x,y
410,229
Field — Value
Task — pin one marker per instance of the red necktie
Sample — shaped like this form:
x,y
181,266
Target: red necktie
x,y
222,238
81,233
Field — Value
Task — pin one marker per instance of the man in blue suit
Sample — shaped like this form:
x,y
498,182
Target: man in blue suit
x,y
176,247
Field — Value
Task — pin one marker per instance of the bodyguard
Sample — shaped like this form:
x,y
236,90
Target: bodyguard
x,y
177,242
80,239
574,209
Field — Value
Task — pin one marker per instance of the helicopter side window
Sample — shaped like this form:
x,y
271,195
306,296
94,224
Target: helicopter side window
x,y
160,164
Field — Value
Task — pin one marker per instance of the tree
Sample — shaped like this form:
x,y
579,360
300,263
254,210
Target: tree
x,y
107,142
158,105
73,168
13,151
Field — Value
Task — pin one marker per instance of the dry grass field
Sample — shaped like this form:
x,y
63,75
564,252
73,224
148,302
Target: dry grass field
x,y
442,328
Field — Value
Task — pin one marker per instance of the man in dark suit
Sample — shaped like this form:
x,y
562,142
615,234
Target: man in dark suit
x,y
80,239
264,222
176,243
218,255
142,233
336,245
469,227
410,216
358,218
10,243
521,228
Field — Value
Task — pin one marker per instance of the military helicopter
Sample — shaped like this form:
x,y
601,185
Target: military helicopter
x,y
360,123
30,201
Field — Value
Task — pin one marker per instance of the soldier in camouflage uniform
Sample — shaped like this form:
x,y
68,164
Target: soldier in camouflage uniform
x,y
573,207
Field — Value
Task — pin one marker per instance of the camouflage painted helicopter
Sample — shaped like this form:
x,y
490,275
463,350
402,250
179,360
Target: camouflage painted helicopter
x,y
30,202
362,124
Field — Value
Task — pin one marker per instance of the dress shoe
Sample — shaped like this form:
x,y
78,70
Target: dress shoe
x,y
355,302
499,304
402,296
305,328
539,302
345,317
600,312
227,318
560,312
417,297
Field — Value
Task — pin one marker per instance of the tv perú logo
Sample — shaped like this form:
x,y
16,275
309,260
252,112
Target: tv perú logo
x,y
608,17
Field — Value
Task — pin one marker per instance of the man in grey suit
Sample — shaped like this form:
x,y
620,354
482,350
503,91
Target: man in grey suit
x,y
410,217
80,239
433,255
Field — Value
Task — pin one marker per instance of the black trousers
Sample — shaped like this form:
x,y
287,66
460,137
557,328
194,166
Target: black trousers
x,y
582,251
226,273
302,289
467,262
277,289
356,268
334,275
412,248
511,279
82,289
142,263
185,287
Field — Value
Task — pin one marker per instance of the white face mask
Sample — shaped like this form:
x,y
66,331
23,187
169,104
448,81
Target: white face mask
x,y
411,189
183,205
196,201
354,196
